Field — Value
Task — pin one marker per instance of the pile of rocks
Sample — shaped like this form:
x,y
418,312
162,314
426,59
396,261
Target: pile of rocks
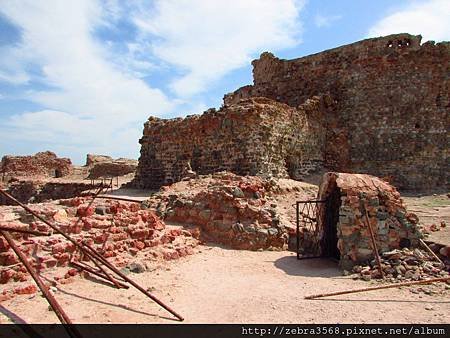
x,y
230,209
121,231
402,265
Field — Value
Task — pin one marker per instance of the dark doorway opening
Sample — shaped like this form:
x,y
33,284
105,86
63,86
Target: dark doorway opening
x,y
330,238
58,173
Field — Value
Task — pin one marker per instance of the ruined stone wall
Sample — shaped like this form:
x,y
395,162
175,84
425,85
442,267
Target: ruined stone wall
x,y
257,136
44,164
392,99
37,191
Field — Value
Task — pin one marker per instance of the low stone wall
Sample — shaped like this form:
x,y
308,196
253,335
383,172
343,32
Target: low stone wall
x,y
120,231
100,166
36,191
234,211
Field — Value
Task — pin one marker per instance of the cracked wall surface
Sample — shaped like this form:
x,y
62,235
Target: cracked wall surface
x,y
387,115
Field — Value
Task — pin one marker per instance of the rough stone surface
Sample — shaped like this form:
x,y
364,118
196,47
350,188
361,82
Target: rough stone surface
x,y
36,191
257,136
229,209
393,226
45,164
402,265
392,96
125,234
114,168
386,114
105,166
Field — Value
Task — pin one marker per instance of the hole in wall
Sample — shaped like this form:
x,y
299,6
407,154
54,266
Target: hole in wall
x,y
405,243
417,126
330,238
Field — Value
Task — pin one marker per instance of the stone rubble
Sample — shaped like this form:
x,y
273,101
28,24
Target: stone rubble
x,y
122,231
403,265
229,209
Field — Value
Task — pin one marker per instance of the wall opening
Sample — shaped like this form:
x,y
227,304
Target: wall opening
x,y
330,238
57,173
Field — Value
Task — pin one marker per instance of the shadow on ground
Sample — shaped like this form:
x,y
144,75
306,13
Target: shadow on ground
x,y
316,267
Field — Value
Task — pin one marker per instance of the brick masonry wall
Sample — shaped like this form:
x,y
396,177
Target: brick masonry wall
x,y
44,164
392,99
257,136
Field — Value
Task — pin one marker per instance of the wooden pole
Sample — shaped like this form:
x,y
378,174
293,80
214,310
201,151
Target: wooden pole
x,y
374,244
94,255
388,286
57,309
431,251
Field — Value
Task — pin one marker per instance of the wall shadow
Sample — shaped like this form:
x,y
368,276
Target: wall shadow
x,y
314,267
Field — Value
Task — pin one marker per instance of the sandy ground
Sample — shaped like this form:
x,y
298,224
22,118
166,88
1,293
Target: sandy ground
x,y
229,286
433,208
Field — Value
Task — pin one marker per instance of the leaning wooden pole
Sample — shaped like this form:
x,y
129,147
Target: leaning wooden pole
x,y
374,244
388,286
92,253
62,316
431,252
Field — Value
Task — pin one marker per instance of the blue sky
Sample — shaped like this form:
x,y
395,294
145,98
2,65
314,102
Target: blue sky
x,y
80,77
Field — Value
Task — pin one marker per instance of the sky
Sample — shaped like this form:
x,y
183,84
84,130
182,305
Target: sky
x,y
82,76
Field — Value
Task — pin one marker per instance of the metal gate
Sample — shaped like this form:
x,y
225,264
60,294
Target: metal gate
x,y
308,241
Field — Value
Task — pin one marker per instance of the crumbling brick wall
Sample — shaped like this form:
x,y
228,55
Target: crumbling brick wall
x,y
257,136
392,99
44,164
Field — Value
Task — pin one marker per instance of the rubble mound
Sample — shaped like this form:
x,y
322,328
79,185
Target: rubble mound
x,y
232,210
44,164
121,231
402,265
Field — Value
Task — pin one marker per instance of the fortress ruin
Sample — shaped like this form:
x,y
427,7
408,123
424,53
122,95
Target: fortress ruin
x,y
378,106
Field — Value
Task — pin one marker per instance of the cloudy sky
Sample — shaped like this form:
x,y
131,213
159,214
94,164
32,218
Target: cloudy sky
x,y
82,76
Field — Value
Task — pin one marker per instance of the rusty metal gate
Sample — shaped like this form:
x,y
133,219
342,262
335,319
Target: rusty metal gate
x,y
308,240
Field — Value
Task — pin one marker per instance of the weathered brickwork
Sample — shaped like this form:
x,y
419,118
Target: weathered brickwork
x,y
257,136
392,105
43,164
386,113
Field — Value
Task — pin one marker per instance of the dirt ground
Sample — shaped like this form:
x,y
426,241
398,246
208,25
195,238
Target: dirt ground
x,y
433,208
218,285
229,286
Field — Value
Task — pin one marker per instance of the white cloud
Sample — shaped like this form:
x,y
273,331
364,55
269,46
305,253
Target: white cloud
x,y
207,39
91,93
428,18
90,98
325,20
